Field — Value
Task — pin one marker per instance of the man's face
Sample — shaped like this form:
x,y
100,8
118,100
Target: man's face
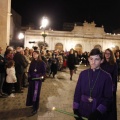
x,y
35,55
95,61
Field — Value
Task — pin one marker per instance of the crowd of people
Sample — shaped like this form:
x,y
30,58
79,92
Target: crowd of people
x,y
24,67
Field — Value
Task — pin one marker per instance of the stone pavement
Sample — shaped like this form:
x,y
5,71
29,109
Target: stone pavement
x,y
56,92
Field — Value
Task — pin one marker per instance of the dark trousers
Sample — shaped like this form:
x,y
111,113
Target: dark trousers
x,y
9,88
18,84
25,79
2,79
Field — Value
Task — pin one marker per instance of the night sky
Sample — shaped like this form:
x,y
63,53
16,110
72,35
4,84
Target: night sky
x,y
102,12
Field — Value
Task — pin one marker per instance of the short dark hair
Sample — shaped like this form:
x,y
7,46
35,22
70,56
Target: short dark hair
x,y
96,51
39,55
36,51
10,63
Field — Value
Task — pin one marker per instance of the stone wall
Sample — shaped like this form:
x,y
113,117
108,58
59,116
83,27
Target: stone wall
x,y
5,13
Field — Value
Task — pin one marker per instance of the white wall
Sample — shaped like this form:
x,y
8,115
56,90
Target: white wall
x,y
88,36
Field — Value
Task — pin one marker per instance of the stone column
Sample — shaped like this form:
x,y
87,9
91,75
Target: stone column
x,y
5,13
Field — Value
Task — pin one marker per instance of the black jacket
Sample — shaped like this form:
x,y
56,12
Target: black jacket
x,y
20,63
2,64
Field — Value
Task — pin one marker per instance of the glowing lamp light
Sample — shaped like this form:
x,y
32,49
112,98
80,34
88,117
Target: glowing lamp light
x,y
39,78
44,22
20,36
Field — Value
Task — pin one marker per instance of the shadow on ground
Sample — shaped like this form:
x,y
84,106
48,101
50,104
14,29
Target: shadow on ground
x,y
15,113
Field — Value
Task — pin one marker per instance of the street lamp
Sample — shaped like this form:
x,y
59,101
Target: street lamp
x,y
20,36
44,23
44,35
20,41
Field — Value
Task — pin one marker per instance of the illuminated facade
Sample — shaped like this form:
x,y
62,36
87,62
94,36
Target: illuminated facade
x,y
81,38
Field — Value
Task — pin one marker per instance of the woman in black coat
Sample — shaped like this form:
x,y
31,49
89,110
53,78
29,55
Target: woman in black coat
x,y
71,62
54,66
109,65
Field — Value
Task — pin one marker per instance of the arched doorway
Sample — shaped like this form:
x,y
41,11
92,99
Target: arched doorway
x,y
117,48
114,49
59,46
78,48
98,46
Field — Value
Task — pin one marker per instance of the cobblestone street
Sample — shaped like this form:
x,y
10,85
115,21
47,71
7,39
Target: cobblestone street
x,y
56,92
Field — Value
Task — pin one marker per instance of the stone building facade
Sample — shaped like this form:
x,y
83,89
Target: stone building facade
x,y
5,13
81,38
10,25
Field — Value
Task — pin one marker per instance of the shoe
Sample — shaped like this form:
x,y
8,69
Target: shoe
x,y
3,95
34,111
11,95
70,78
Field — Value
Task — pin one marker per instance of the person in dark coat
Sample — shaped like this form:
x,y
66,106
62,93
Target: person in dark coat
x,y
93,93
8,56
54,66
2,73
110,66
71,62
20,65
36,70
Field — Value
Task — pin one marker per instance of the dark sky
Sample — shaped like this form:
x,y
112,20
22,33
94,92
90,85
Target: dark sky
x,y
102,12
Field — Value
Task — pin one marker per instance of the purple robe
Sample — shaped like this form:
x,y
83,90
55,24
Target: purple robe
x,y
37,69
101,83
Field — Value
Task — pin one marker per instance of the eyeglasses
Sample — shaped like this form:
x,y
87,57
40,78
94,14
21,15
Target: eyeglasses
x,y
107,53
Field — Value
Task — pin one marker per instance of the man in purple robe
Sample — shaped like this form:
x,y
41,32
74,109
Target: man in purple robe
x,y
37,69
93,94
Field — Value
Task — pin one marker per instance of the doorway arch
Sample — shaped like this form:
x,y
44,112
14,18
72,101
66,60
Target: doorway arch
x,y
98,46
78,48
59,46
